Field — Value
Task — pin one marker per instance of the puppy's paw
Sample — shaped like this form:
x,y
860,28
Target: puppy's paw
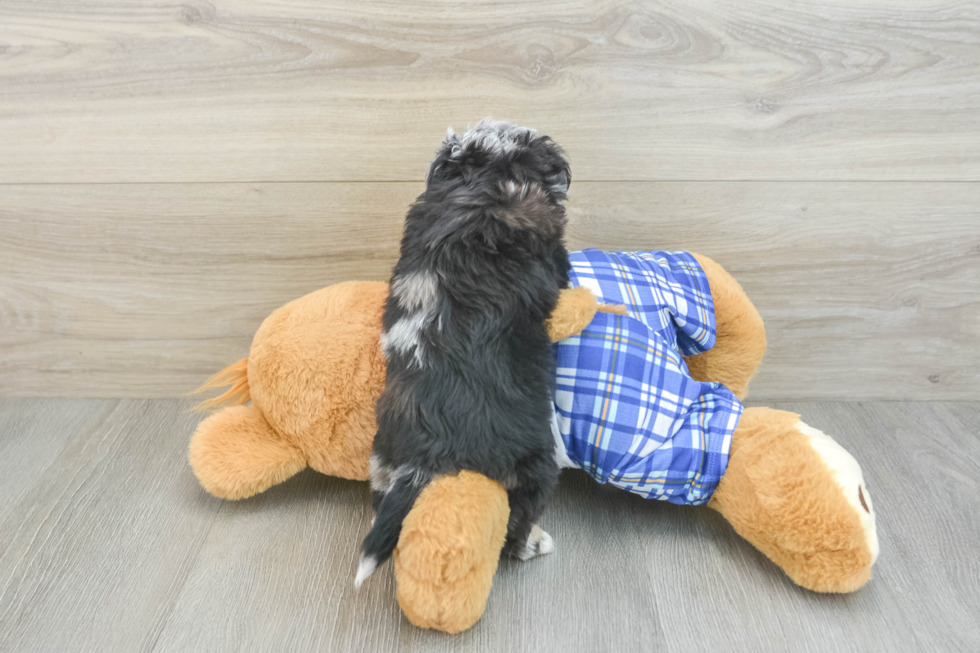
x,y
538,543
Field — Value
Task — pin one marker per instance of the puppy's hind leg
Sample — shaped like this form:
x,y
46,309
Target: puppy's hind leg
x,y
536,480
538,543
381,475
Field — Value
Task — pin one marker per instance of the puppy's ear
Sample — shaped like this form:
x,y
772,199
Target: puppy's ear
x,y
449,149
556,173
559,180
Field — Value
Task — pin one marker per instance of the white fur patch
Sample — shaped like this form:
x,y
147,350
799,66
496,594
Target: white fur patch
x,y
513,189
538,543
850,479
404,336
419,478
405,470
364,570
491,136
416,291
380,475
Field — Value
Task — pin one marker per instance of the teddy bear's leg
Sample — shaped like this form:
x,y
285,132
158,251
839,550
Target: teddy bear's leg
x,y
235,454
741,339
448,551
800,498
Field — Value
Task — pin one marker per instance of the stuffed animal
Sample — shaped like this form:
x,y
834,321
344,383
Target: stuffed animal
x,y
654,352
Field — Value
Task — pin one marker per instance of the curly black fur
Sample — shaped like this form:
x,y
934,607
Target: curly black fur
x,y
470,364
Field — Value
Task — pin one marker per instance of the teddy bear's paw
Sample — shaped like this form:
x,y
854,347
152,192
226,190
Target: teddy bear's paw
x,y
850,479
538,543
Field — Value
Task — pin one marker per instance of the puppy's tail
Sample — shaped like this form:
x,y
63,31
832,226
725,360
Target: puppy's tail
x,y
383,538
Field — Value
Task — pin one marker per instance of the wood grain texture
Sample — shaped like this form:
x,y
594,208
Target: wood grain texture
x,y
936,480
294,90
32,435
869,290
96,544
115,547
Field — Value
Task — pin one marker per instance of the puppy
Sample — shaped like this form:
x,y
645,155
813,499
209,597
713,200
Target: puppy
x,y
470,365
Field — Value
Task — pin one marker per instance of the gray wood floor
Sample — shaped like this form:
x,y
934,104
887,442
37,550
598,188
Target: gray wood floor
x,y
108,544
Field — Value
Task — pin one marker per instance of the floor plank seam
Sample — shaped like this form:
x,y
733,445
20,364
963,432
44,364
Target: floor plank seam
x,y
227,182
183,583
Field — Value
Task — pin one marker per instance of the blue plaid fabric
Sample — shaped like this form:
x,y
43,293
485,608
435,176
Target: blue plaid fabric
x,y
627,410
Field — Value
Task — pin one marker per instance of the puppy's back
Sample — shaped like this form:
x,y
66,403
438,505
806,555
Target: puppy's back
x,y
470,365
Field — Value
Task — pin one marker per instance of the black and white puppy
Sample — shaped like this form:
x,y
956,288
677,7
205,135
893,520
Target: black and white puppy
x,y
470,365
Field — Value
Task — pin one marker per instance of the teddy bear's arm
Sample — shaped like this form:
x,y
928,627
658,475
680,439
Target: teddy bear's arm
x,y
575,309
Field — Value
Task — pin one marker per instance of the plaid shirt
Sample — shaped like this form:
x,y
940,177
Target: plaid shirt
x,y
626,408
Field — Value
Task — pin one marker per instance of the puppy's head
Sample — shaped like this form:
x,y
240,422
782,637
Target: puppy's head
x,y
506,151
504,172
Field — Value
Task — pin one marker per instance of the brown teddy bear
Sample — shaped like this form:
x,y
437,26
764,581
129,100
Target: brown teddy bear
x,y
316,369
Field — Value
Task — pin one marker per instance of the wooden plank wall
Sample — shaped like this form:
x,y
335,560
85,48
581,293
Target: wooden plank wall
x,y
170,173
